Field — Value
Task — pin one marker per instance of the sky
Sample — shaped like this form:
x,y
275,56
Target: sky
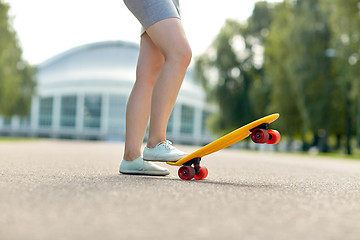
x,y
46,28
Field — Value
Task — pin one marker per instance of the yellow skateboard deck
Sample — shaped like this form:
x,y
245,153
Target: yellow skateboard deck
x,y
225,141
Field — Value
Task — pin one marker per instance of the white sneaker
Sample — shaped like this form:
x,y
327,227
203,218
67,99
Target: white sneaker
x,y
163,152
141,167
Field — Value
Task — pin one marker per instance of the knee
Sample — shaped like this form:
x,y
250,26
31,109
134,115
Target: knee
x,y
186,55
181,56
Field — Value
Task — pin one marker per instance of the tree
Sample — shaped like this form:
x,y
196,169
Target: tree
x,y
299,58
345,22
277,59
298,40
17,81
230,69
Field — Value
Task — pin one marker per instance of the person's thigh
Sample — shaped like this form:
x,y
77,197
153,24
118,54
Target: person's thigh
x,y
149,12
169,37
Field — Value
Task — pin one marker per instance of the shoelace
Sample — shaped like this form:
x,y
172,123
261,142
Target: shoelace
x,y
167,143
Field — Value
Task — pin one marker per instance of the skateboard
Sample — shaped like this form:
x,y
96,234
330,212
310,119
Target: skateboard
x,y
259,131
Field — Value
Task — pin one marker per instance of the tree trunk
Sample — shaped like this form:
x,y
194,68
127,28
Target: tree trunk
x,y
348,119
338,142
358,120
323,141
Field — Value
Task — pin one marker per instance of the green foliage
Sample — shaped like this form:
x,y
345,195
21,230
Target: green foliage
x,y
299,58
277,61
298,66
17,82
229,88
345,19
230,69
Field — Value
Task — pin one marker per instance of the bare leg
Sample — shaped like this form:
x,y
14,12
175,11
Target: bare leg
x,y
138,108
169,37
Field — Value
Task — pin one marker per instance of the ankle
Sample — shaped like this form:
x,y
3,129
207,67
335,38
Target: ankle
x,y
153,143
131,157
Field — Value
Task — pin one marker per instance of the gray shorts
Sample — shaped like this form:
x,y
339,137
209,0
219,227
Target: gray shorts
x,y
149,12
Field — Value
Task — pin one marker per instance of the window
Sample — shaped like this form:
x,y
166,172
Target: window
x,y
45,112
92,111
170,125
68,111
25,122
187,119
7,122
117,114
205,116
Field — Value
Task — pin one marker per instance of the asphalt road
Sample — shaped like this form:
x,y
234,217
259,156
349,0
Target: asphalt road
x,y
72,190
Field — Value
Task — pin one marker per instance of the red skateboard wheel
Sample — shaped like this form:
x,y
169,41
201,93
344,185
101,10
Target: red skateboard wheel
x,y
274,137
203,172
259,135
186,172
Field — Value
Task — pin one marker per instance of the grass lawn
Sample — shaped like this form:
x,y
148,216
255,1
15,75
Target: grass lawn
x,y
16,139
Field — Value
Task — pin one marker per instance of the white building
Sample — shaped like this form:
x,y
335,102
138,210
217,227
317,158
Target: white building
x,y
82,94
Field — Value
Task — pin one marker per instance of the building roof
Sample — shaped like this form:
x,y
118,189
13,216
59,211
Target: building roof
x,y
98,64
115,60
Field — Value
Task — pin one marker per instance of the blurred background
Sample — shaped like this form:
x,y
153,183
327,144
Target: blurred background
x,y
67,68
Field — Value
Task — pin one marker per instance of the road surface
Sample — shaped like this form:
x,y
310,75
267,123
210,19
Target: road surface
x,y
52,189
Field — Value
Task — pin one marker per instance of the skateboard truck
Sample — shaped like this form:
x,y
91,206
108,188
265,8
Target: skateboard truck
x,y
196,162
261,126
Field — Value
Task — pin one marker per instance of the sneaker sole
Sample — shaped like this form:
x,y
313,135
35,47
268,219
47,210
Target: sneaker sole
x,y
143,173
161,160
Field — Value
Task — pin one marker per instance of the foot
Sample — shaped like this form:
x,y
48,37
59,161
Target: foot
x,y
141,167
163,152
